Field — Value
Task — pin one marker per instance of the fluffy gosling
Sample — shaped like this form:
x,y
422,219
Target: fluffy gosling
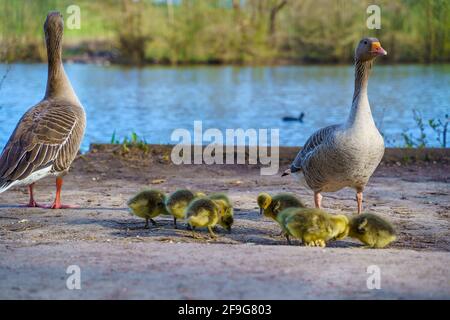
x,y
271,206
313,226
178,201
226,218
372,230
205,212
148,204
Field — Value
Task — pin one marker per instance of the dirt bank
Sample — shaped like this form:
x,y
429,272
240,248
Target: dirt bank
x,y
120,259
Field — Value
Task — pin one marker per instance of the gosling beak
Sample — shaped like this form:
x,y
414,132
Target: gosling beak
x,y
377,50
260,211
286,173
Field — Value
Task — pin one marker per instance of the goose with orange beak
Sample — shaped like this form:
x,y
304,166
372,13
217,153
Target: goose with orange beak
x,y
347,154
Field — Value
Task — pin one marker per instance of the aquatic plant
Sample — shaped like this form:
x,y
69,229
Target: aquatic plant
x,y
134,141
113,138
416,142
438,126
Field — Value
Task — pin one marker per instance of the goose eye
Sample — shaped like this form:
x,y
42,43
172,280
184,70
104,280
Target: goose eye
x,y
365,41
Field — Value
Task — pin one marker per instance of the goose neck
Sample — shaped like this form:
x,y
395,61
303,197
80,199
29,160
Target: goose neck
x,y
360,112
58,84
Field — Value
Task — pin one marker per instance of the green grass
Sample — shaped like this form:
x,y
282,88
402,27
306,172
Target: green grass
x,y
135,141
212,31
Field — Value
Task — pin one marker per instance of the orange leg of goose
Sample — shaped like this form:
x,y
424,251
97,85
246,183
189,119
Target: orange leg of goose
x,y
318,200
32,203
359,199
57,203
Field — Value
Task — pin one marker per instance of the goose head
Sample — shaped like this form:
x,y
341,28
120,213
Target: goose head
x,y
54,27
368,49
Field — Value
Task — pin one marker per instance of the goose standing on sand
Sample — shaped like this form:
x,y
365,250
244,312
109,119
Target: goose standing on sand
x,y
345,155
47,138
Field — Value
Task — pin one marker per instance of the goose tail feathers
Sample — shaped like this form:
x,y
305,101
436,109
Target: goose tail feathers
x,y
5,185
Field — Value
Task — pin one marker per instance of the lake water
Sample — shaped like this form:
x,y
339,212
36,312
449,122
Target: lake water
x,y
153,101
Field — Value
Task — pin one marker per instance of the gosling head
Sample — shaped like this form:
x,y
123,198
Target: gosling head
x,y
368,49
226,222
264,200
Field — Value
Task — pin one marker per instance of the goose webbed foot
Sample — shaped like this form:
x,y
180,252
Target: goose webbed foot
x,y
320,243
195,235
32,203
211,233
57,203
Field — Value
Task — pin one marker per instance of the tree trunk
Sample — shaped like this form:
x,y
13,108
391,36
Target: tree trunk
x,y
272,19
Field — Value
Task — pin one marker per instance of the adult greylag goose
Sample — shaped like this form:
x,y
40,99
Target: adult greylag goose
x,y
47,138
345,155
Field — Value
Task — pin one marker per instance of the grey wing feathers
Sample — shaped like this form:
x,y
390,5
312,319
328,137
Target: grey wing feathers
x,y
41,137
313,142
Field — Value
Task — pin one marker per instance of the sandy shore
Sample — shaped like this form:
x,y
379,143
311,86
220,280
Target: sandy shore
x,y
120,259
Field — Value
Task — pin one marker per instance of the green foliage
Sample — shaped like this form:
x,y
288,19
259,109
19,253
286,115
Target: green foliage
x,y
133,141
113,138
438,126
233,31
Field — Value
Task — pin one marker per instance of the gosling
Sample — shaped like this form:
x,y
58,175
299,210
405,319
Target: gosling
x,y
226,219
272,206
314,227
178,201
205,212
148,204
372,230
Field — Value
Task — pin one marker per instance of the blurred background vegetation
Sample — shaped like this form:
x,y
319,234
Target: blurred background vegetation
x,y
228,31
